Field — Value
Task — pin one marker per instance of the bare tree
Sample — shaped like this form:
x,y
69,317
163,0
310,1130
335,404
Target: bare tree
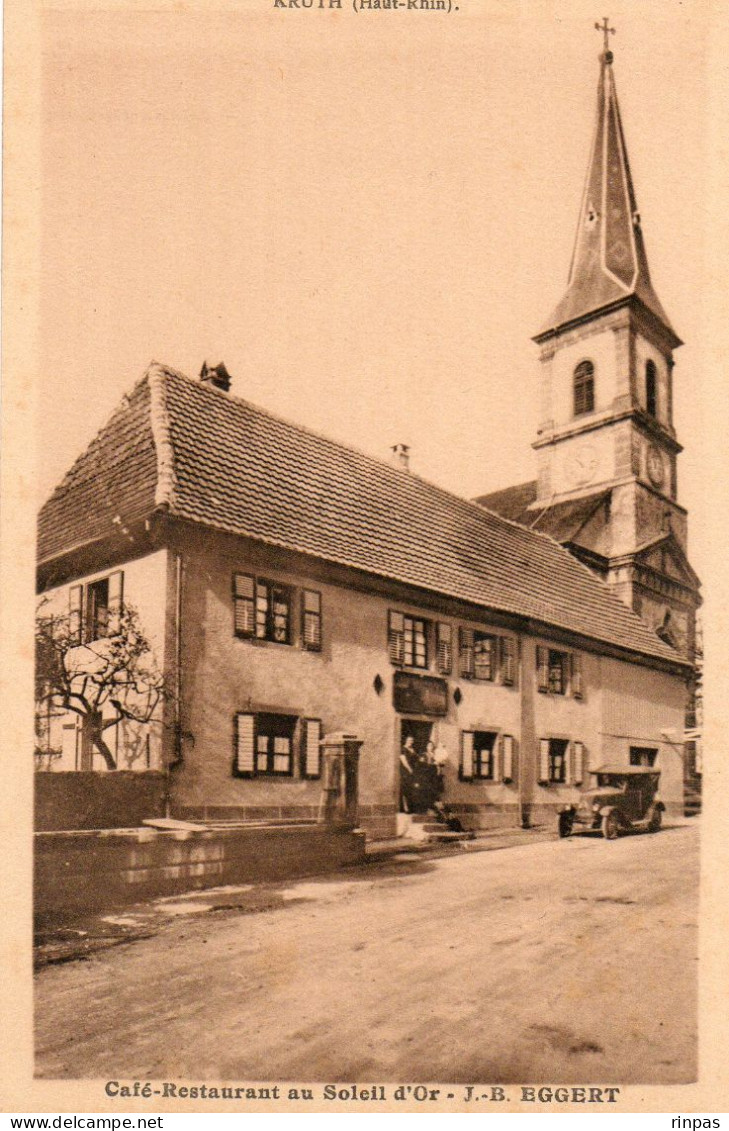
x,y
103,681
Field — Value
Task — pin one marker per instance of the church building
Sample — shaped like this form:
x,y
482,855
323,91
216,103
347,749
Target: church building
x,y
607,451
297,589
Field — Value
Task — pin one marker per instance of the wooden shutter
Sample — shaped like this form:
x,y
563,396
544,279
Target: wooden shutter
x,y
578,762
568,763
466,755
396,638
75,608
576,682
497,759
542,668
311,620
508,661
465,648
116,596
245,760
244,604
543,760
507,757
310,749
445,648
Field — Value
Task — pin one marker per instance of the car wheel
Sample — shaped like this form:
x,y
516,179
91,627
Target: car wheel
x,y
656,820
564,824
610,826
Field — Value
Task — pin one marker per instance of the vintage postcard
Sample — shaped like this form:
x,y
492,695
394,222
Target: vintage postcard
x,y
364,504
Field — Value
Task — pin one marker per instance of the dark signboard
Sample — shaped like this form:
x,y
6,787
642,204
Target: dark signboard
x,y
420,694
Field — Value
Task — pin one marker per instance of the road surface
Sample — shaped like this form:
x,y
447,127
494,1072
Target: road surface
x,y
564,961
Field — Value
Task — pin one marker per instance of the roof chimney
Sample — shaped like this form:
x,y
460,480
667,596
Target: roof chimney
x,y
401,455
216,375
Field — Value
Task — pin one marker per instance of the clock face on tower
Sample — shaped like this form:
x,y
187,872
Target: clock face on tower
x,y
581,463
654,466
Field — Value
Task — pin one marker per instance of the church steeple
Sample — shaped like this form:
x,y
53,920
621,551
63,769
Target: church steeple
x,y
609,264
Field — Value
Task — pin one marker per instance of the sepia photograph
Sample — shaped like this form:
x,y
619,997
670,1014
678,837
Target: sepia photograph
x,y
373,490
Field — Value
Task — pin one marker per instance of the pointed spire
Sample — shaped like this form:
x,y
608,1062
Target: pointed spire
x,y
609,263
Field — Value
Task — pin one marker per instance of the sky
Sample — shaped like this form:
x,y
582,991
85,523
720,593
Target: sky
x,y
365,216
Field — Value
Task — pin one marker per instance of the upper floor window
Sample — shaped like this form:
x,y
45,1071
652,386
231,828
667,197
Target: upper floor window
x,y
559,672
407,640
484,656
651,388
584,388
97,609
262,609
94,611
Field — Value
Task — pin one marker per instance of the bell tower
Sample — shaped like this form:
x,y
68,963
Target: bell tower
x,y
606,444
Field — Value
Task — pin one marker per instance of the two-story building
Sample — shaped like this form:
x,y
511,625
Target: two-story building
x,y
294,587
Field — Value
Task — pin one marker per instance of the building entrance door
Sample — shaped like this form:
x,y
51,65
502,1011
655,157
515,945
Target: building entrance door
x,y
418,777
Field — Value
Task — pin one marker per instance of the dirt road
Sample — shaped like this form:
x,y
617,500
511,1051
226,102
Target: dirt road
x,y
566,961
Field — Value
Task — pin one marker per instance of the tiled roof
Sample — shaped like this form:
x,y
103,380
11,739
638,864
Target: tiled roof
x,y
226,464
511,502
562,521
115,476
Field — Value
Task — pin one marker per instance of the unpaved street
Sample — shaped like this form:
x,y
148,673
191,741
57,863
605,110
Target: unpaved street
x,y
563,961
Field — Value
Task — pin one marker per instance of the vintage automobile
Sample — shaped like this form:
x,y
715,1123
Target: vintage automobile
x,y
623,798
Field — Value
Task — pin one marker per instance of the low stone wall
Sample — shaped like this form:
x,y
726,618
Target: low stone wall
x,y
82,871
76,800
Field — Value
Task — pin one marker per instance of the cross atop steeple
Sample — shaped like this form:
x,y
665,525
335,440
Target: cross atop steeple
x,y
607,31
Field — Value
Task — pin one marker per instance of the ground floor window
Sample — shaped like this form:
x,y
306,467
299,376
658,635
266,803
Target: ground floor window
x,y
561,761
480,756
643,755
553,761
265,745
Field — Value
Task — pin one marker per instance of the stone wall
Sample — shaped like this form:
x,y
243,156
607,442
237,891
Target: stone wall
x,y
79,872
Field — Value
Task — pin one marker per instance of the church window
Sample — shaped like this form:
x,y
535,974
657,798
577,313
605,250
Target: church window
x,y
584,388
651,389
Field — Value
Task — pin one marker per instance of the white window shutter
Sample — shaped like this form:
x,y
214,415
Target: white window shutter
x,y
396,638
245,749
75,602
577,686
542,668
312,748
543,759
578,763
116,597
467,755
507,762
244,597
508,661
498,757
569,762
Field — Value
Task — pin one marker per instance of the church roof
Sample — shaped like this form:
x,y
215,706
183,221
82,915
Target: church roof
x,y
609,262
213,459
562,521
511,502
